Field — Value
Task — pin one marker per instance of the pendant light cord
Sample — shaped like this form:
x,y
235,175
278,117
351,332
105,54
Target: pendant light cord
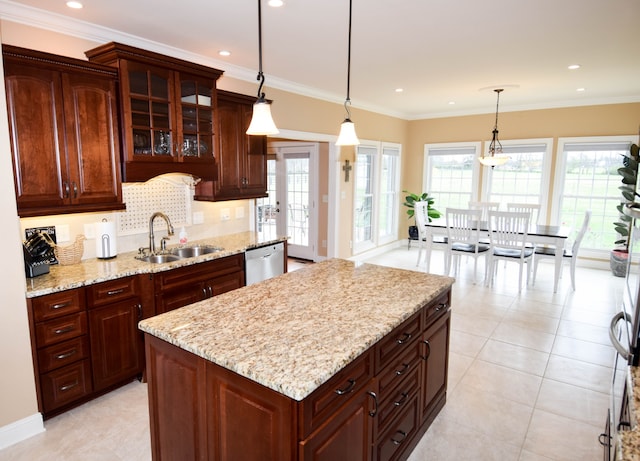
x,y
492,146
347,101
260,74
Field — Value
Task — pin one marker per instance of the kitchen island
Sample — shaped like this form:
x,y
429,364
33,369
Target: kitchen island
x,y
336,361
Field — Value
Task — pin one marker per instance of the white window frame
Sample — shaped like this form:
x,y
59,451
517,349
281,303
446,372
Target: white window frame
x,y
453,147
376,240
395,212
561,163
545,183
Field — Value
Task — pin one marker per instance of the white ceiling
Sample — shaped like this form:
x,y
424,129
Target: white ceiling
x,y
436,50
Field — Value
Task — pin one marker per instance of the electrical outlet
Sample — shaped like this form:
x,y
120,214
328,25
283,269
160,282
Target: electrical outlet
x,y
198,217
225,214
90,231
239,212
62,233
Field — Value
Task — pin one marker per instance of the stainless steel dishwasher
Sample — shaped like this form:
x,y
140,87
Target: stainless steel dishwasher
x,y
264,262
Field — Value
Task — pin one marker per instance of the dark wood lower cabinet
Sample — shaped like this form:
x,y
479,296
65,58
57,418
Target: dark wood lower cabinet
x,y
201,411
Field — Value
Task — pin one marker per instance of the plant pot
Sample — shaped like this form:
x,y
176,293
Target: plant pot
x,y
413,232
618,262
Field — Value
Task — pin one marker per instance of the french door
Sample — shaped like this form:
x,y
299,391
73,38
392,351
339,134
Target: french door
x,y
289,209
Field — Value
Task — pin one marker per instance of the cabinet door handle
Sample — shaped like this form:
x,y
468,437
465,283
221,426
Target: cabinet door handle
x,y
441,306
60,305
375,403
139,306
349,388
605,440
68,386
115,292
406,337
75,190
405,396
204,293
66,329
66,189
398,442
405,367
426,343
210,291
65,355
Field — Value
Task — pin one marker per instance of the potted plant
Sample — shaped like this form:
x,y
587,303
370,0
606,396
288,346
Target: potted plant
x,y
409,200
629,173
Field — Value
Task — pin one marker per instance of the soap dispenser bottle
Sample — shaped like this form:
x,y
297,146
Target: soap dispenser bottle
x,y
183,236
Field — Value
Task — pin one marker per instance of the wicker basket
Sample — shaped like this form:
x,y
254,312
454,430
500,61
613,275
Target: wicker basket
x,y
70,254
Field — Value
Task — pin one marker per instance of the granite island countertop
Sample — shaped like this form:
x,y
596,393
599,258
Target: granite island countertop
x,y
631,438
293,332
90,271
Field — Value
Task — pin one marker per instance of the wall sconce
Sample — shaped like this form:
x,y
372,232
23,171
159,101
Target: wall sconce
x,y
347,169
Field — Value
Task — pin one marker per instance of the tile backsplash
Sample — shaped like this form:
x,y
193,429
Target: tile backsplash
x,y
171,194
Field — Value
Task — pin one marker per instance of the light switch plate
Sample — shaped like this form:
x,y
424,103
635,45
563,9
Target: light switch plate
x,y
225,214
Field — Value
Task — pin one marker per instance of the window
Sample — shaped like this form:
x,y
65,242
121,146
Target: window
x,y
389,197
363,198
524,178
588,180
376,195
451,174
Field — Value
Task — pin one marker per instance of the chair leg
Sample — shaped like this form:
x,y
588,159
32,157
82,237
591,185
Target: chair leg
x,y
573,273
535,270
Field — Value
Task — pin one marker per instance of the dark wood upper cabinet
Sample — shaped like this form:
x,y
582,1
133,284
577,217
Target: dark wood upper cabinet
x,y
168,111
63,122
242,161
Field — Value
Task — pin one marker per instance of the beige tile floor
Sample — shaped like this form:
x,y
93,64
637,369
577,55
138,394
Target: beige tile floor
x,y
529,378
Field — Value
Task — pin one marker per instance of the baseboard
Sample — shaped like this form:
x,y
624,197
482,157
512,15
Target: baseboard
x,y
21,430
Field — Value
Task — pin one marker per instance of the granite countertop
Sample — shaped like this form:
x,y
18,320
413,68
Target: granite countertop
x,y
294,332
90,271
631,438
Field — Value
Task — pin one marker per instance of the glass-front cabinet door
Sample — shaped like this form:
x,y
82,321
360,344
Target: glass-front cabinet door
x,y
196,118
151,111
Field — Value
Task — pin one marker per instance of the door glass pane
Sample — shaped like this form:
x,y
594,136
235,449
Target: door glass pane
x,y
267,206
389,202
297,177
363,201
159,87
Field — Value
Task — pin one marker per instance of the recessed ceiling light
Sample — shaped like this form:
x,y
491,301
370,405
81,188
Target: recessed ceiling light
x,y
451,103
580,89
573,66
399,90
75,5
224,53
275,3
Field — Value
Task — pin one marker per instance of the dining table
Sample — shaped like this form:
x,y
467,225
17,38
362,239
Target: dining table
x,y
539,234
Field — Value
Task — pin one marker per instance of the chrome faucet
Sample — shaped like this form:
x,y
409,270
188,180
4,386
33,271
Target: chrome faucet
x,y
152,243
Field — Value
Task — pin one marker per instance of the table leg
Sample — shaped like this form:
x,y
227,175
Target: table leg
x,y
558,268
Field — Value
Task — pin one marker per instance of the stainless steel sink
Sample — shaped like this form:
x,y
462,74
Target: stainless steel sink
x,y
159,258
193,251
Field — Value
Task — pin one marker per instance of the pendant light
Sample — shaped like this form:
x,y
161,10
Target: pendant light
x,y
347,136
495,156
261,121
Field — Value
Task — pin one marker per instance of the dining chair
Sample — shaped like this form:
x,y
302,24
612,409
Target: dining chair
x,y
531,208
420,213
463,238
485,207
508,237
545,252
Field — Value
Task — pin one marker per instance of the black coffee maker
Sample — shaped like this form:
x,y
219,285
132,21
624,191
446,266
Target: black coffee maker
x,y
38,252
